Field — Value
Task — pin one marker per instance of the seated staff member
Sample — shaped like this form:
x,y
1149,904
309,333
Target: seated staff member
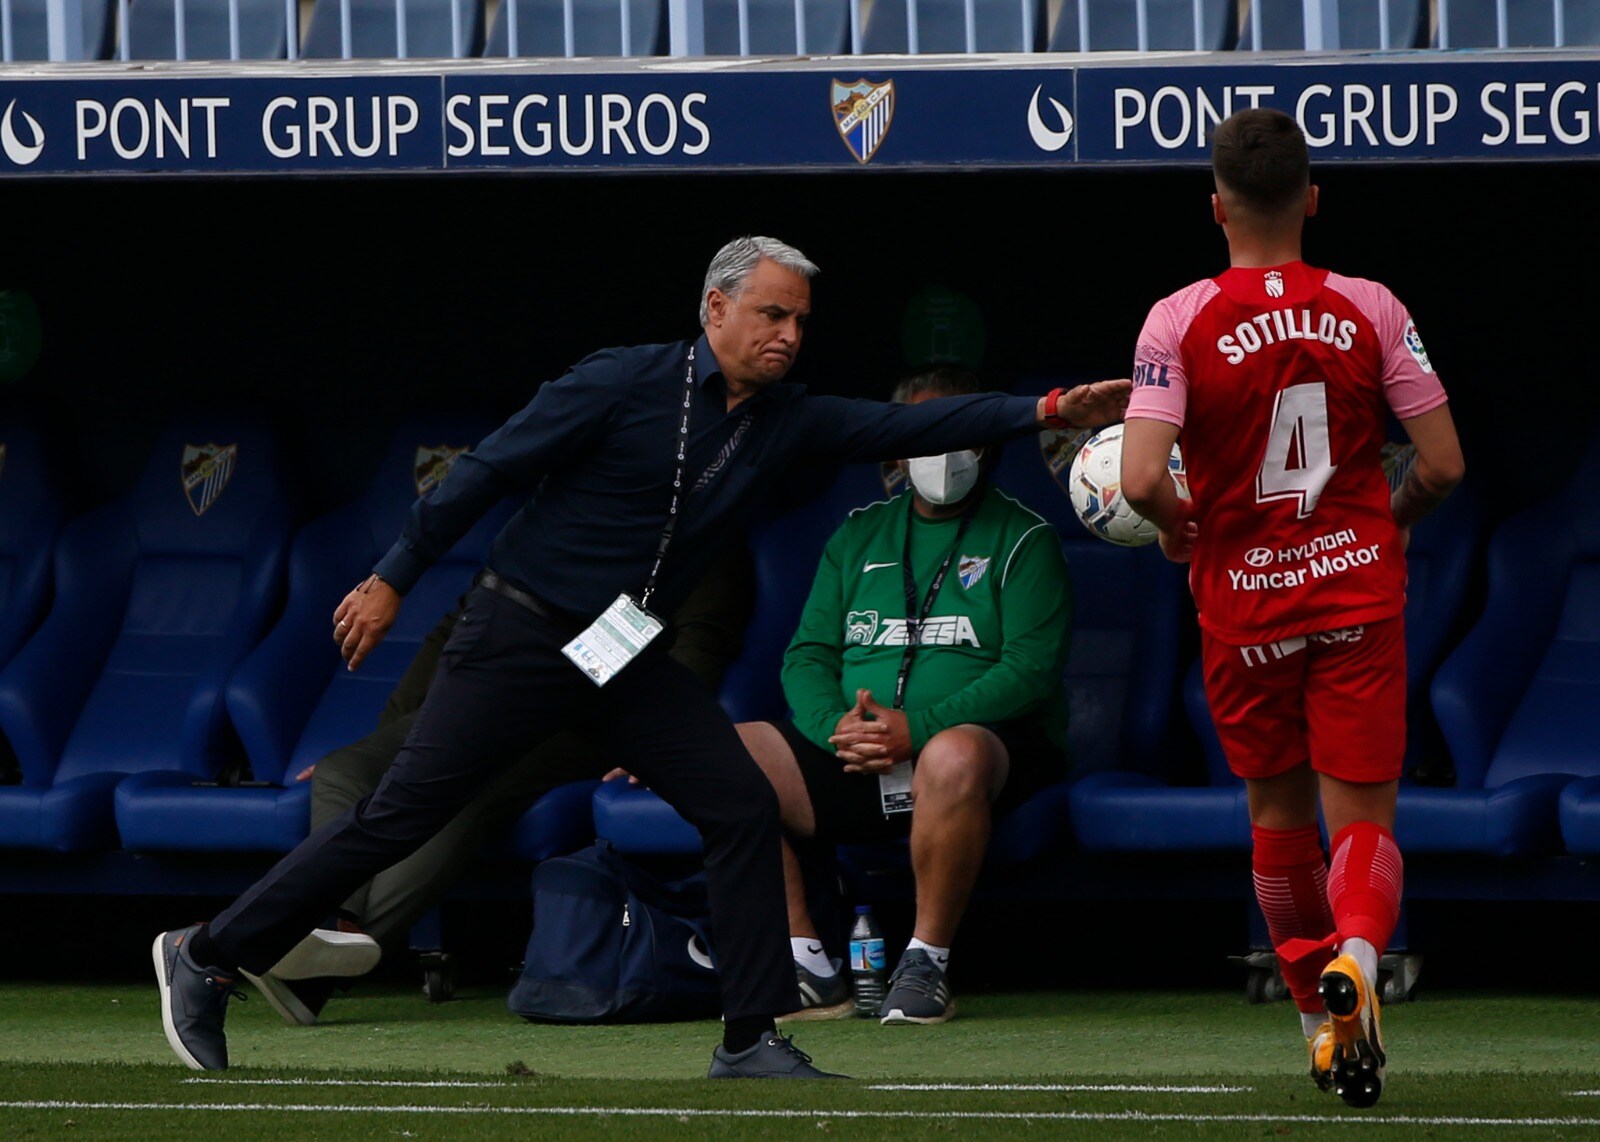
x,y
925,680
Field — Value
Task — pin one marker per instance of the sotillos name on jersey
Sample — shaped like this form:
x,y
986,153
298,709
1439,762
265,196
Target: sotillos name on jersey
x,y
1319,568
1286,325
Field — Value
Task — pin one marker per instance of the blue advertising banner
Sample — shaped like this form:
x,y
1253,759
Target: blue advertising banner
x,y
845,118
1355,111
832,114
220,125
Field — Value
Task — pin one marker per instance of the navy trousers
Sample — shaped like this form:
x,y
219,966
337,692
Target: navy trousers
x,y
502,682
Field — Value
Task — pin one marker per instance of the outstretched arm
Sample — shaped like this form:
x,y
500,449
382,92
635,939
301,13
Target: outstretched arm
x,y
873,430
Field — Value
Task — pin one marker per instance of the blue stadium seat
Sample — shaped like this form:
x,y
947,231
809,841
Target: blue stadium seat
x,y
1169,26
159,595
1512,700
31,514
596,28
291,700
264,30
30,37
435,29
771,27
1283,24
1139,812
942,26
1529,24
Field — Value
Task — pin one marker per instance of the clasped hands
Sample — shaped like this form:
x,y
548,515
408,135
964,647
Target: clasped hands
x,y
871,737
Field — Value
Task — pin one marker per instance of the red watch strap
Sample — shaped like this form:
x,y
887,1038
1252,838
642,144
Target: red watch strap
x,y
1051,420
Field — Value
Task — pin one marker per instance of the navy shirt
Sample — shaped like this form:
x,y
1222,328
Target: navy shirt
x,y
594,453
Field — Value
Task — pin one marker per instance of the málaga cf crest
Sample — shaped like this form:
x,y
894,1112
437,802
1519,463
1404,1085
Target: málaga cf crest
x,y
432,465
206,470
863,111
1060,447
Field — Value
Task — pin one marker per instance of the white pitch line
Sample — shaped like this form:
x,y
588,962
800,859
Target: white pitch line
x,y
342,1082
1086,1088
825,1115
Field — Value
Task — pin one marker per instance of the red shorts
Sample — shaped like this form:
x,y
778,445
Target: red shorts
x,y
1337,699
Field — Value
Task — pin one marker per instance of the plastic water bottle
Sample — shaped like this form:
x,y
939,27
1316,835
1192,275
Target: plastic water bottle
x,y
869,964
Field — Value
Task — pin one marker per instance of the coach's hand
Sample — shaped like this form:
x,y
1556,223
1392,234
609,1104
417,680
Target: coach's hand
x,y
1093,405
363,618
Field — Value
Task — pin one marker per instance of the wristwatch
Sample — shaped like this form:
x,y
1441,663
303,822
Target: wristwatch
x,y
1051,420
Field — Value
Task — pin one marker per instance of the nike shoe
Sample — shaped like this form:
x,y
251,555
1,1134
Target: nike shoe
x,y
822,996
918,991
1320,1047
194,1002
774,1057
1358,1058
299,1001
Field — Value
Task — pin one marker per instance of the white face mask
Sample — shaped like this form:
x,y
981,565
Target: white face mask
x,y
944,479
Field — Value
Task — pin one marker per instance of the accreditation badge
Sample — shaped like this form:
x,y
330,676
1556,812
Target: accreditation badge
x,y
613,640
895,789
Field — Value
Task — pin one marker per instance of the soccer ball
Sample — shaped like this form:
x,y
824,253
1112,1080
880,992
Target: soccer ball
x,y
1095,487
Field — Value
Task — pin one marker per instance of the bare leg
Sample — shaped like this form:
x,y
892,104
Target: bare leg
x,y
959,773
1287,801
1344,802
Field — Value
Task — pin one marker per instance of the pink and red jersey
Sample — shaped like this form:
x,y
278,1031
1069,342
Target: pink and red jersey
x,y
1280,379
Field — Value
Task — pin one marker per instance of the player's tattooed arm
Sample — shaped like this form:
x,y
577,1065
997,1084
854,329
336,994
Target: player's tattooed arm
x,y
1413,499
1437,470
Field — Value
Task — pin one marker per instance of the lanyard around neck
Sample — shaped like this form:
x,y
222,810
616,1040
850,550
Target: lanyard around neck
x,y
916,616
712,470
677,482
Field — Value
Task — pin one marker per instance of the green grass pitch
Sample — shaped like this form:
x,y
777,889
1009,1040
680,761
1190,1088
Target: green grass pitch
x,y
90,1061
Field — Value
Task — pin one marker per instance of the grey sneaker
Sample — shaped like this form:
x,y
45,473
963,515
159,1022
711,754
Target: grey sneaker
x,y
298,1001
775,1057
194,1002
329,952
918,992
822,996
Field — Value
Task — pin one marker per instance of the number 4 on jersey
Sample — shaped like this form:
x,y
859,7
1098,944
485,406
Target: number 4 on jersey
x,y
1299,459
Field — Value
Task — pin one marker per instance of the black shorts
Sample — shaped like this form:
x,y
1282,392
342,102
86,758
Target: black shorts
x,y
849,809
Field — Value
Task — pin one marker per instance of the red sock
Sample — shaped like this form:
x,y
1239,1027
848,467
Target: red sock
x,y
1365,883
1291,882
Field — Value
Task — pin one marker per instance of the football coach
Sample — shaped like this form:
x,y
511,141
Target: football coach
x,y
636,465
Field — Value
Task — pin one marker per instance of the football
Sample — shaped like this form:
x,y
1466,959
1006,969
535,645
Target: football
x,y
1095,486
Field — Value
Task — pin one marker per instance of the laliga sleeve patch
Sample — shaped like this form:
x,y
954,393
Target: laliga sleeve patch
x,y
1414,347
